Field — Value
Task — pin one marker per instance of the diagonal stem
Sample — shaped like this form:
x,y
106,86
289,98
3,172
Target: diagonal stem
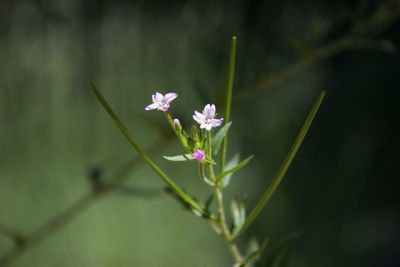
x,y
282,171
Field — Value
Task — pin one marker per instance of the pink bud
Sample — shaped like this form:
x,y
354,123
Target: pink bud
x,y
199,155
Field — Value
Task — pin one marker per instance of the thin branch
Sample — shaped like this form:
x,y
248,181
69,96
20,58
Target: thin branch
x,y
64,217
14,235
374,24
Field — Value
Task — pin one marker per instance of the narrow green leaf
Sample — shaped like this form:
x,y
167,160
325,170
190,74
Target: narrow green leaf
x,y
286,163
210,160
231,170
231,164
186,157
218,137
238,211
235,214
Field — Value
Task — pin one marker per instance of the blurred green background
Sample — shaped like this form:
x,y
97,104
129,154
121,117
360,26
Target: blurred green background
x,y
341,191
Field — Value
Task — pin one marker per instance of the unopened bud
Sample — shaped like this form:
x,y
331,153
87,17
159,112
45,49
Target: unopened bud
x,y
177,125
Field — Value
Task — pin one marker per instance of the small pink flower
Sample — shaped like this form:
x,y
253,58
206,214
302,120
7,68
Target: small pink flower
x,y
161,102
199,155
206,119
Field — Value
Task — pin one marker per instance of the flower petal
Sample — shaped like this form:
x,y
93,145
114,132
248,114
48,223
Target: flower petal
x,y
164,107
209,111
151,106
158,97
208,126
216,122
169,97
198,117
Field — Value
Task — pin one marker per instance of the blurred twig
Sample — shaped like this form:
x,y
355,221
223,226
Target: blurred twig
x,y
375,23
14,235
64,217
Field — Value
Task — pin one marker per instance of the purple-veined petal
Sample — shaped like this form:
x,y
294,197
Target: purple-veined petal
x,y
164,107
208,126
216,122
209,111
169,97
152,106
198,117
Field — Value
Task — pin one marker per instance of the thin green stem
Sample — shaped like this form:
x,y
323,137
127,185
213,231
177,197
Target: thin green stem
x,y
220,207
178,133
282,171
228,102
203,176
160,173
209,166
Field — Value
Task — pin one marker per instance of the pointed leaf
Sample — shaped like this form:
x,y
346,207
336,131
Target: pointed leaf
x,y
238,211
210,160
224,180
186,157
285,166
230,169
218,137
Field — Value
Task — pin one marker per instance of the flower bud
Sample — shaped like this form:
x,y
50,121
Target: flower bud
x,y
177,125
199,155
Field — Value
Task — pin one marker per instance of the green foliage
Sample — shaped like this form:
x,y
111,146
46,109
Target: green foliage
x,y
231,167
218,137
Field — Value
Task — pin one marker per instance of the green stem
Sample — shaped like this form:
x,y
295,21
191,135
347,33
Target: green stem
x,y
178,133
203,176
220,206
163,176
209,166
228,102
282,171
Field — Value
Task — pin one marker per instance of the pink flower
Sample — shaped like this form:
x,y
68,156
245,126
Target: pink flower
x,y
199,155
161,102
206,119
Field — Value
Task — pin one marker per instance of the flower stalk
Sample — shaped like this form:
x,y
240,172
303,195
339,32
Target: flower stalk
x,y
200,146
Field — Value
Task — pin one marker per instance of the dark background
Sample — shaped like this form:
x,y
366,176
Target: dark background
x,y
340,192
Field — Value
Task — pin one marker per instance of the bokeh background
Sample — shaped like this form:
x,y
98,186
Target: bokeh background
x,y
340,196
